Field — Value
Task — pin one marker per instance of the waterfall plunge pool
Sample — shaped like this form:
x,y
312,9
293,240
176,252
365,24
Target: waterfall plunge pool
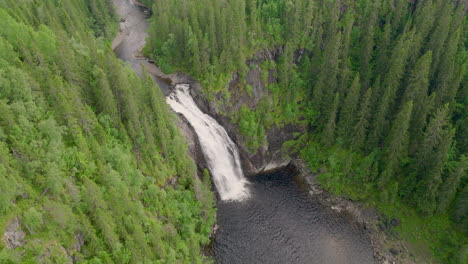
x,y
281,223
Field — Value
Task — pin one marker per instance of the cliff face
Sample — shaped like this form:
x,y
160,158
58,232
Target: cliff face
x,y
267,157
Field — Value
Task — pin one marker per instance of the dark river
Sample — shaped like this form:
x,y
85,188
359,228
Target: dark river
x,y
280,222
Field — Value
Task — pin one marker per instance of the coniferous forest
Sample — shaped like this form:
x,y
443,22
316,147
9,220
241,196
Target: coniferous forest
x,y
380,85
94,169
92,166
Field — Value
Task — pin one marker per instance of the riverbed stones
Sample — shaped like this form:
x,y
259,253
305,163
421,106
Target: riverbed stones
x,y
394,251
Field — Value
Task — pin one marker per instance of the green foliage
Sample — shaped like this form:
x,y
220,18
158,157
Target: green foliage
x,y
250,126
91,161
200,40
396,133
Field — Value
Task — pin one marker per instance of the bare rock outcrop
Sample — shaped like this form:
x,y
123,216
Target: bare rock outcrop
x,y
13,237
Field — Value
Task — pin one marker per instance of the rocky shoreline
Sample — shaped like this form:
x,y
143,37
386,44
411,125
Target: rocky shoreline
x,y
386,245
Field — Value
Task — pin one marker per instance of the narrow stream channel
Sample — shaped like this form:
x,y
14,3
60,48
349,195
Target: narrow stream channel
x,y
279,222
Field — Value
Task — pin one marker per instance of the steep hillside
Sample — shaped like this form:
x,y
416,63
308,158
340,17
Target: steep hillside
x,y
92,166
379,85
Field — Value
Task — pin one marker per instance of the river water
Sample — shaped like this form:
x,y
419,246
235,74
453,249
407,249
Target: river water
x,y
278,222
281,223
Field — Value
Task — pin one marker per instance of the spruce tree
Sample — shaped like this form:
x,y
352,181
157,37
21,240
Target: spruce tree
x,y
328,134
348,111
431,159
345,63
396,145
450,184
439,34
383,50
361,126
326,84
447,70
390,87
417,91
367,42
423,22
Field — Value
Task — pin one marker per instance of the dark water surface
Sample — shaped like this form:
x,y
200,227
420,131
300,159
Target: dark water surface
x,y
281,223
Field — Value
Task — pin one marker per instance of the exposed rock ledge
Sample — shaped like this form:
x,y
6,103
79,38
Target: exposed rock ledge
x,y
14,235
267,157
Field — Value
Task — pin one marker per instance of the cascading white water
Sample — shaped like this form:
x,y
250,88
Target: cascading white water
x,y
221,153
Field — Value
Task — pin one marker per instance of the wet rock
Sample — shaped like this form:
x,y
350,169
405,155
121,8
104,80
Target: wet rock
x,y
394,251
269,156
395,222
14,235
195,150
382,226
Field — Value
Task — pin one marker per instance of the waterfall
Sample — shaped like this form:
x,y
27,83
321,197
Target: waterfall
x,y
220,152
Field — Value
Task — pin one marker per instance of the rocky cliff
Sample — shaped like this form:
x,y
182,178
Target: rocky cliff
x,y
268,156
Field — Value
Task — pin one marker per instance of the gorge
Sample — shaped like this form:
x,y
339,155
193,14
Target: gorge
x,y
233,131
270,219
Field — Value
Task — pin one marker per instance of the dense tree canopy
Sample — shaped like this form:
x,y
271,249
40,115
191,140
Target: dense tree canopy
x,y
91,162
381,85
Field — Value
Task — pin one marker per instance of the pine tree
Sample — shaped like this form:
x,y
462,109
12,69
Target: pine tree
x,y
396,144
361,126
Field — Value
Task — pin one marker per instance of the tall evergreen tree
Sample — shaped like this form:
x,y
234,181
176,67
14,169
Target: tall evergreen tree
x,y
450,184
423,22
345,63
396,145
348,111
390,86
431,159
440,33
361,126
447,70
417,91
326,84
328,134
367,47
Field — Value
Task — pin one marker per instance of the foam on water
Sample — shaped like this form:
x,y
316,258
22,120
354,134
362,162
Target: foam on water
x,y
220,152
